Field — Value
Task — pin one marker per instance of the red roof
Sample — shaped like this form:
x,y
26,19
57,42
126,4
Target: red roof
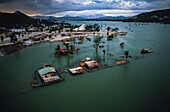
x,y
63,50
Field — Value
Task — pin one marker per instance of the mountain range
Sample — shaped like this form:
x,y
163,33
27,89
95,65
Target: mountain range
x,y
20,19
78,18
158,16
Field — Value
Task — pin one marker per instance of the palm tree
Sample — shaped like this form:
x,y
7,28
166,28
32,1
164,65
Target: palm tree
x,y
127,54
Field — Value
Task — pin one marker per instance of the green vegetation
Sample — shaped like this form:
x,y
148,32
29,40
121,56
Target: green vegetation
x,y
94,27
159,16
97,41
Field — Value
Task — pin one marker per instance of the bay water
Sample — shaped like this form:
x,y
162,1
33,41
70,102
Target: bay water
x,y
142,85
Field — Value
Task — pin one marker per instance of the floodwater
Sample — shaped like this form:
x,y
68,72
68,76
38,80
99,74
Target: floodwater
x,y
142,85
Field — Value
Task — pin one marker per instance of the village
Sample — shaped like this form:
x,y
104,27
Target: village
x,y
22,37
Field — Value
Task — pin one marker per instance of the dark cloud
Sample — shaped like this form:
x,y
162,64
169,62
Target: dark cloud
x,y
55,6
96,1
7,1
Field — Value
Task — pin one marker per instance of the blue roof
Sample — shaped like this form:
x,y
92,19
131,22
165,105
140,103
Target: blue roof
x,y
46,70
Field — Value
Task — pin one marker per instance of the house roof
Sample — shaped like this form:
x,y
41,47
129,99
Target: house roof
x,y
46,70
63,50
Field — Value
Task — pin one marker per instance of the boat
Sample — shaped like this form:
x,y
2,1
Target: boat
x,y
122,62
49,74
77,70
146,50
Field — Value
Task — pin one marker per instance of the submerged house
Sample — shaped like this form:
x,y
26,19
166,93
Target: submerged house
x,y
63,51
77,70
89,63
49,74
92,64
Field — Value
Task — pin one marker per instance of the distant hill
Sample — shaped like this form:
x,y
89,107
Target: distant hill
x,y
65,18
18,19
110,18
12,19
41,17
77,18
158,16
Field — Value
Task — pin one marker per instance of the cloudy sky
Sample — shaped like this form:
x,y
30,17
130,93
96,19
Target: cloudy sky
x,y
83,7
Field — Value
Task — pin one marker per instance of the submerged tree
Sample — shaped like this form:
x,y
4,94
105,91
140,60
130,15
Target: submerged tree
x,y
122,44
127,54
57,49
97,41
67,46
104,52
72,47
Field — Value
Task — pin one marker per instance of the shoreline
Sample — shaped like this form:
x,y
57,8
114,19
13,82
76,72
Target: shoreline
x,y
10,48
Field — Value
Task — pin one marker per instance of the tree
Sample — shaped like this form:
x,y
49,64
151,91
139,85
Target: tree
x,y
122,44
108,29
2,38
67,46
61,26
96,27
58,47
72,48
127,54
104,52
115,29
13,38
97,41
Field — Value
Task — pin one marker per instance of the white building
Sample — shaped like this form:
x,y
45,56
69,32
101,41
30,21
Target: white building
x,y
81,28
18,30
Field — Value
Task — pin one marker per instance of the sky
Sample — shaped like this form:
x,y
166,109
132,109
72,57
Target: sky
x,y
84,8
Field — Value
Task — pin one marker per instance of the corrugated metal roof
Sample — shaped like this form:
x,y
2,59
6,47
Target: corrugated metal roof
x,y
46,70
